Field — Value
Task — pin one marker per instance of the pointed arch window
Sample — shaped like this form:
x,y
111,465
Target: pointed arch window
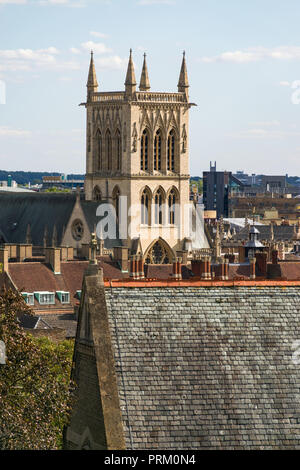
x,y
159,254
97,194
99,150
144,150
172,207
108,149
158,207
157,151
171,151
118,149
145,208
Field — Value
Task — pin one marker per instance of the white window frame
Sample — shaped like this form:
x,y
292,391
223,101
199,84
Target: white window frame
x,y
49,298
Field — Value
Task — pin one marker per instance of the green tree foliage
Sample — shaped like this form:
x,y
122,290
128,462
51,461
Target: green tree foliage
x,y
198,183
35,396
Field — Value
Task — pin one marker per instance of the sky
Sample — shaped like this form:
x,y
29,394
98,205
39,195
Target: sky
x,y
243,60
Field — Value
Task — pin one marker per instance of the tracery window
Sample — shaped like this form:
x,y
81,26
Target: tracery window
x,y
171,151
118,149
99,150
158,207
158,254
157,151
108,149
77,229
144,150
172,207
97,194
145,206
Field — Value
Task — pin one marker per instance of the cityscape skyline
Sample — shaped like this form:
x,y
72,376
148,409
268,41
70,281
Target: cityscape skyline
x,y
244,87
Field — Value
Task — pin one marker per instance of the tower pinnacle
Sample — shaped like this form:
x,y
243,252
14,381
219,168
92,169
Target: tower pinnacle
x,y
130,82
183,83
144,83
92,84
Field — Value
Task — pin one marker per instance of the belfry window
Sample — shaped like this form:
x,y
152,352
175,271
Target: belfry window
x,y
171,151
145,213
171,207
144,151
99,150
157,151
118,149
158,207
108,149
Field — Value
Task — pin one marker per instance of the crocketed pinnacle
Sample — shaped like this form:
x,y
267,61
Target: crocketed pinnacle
x,y
130,82
183,83
92,83
144,83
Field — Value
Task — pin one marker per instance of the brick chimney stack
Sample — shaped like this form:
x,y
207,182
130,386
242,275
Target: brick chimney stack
x,y
261,263
3,260
252,268
53,258
206,273
177,265
275,257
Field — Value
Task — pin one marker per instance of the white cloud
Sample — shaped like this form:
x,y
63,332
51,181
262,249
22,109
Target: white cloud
x,y
29,59
259,133
75,50
13,2
266,124
67,3
156,2
112,62
285,83
98,35
254,54
97,47
9,132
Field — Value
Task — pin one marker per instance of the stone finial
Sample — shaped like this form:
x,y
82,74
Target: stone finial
x,y
272,232
93,246
130,82
183,83
145,82
92,84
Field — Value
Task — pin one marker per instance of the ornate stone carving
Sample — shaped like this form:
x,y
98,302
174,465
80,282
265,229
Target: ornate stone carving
x,y
134,138
184,139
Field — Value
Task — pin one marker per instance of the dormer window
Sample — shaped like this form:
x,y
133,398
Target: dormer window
x,y
78,294
45,298
64,297
28,297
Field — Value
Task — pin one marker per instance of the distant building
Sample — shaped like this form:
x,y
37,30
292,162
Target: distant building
x,y
216,190
62,181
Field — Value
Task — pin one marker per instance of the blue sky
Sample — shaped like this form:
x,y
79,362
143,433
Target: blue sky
x,y
243,61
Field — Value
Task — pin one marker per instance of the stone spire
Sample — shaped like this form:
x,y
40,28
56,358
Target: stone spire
x,y
183,83
92,84
144,83
130,82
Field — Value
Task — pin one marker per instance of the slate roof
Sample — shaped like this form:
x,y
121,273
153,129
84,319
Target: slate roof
x,y
281,232
206,368
39,210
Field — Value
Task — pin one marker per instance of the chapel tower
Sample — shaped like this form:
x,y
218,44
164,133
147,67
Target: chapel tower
x,y
137,146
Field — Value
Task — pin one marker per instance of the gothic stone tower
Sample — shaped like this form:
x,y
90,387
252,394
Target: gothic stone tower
x,y
137,146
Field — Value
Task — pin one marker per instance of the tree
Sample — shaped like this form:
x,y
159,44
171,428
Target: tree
x,y
35,397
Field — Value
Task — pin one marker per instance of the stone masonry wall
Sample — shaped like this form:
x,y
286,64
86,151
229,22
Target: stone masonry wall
x,y
207,367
